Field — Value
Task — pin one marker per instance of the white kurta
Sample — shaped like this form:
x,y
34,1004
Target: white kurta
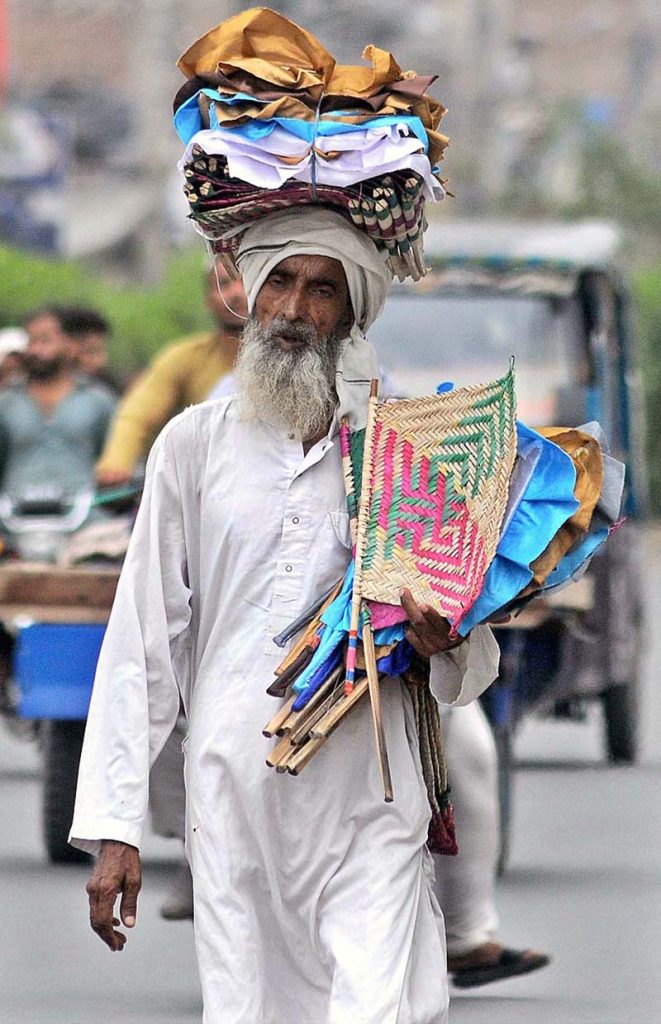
x,y
312,896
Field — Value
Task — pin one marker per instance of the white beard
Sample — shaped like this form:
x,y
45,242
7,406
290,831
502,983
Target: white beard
x,y
295,388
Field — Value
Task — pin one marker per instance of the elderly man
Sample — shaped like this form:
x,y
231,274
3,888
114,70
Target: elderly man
x,y
312,896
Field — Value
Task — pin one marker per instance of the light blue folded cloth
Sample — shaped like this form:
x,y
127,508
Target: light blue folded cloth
x,y
546,503
188,121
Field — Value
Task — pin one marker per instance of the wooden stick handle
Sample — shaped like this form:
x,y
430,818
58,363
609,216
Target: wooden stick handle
x,y
301,722
333,717
281,715
377,719
363,512
278,687
304,755
280,752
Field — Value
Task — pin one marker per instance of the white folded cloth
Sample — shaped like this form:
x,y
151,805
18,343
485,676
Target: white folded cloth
x,y
338,160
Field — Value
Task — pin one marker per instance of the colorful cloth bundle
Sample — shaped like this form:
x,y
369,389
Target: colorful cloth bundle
x,y
270,120
472,511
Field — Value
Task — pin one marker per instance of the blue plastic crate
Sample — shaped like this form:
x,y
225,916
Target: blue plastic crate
x,y
54,668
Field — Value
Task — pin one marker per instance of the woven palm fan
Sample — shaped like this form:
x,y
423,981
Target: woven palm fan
x,y
438,471
434,499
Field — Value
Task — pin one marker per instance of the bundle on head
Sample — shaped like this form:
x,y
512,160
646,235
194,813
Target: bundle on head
x,y
271,121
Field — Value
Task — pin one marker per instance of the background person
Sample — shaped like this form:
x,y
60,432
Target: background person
x,y
182,375
91,331
53,425
465,885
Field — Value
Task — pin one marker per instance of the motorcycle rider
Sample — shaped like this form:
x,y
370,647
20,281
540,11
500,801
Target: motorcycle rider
x,y
53,426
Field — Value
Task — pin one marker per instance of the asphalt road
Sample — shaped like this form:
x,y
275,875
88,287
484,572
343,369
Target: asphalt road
x,y
584,884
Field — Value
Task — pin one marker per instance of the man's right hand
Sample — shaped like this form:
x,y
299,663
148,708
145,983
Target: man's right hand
x,y
117,871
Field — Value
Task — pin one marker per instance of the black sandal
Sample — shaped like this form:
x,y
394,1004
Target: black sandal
x,y
510,964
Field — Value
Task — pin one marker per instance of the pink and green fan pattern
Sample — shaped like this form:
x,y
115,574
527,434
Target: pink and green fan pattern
x,y
439,482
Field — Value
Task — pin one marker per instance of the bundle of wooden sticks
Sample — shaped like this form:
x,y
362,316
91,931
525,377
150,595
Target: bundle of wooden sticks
x,y
302,733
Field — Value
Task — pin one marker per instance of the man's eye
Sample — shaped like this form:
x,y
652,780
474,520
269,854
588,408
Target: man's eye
x,y
277,282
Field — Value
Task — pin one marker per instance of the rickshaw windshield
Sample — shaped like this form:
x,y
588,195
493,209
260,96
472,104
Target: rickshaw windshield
x,y
468,338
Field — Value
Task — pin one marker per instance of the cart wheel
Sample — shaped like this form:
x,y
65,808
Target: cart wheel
x,y
62,744
620,704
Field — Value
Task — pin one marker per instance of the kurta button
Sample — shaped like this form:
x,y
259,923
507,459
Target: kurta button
x,y
296,520
288,568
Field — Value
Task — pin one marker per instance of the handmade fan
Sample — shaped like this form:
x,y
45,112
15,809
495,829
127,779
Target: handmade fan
x,y
439,473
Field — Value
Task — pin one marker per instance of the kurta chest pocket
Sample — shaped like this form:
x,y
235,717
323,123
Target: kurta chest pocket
x,y
330,548
340,522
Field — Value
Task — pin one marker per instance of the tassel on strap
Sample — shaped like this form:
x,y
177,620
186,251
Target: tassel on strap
x,y
442,836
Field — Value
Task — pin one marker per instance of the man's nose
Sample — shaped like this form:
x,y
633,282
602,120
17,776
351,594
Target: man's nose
x,y
295,306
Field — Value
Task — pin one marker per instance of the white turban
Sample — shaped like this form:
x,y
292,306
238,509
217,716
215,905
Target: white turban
x,y
315,231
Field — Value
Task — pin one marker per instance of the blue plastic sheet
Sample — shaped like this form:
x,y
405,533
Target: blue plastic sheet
x,y
547,502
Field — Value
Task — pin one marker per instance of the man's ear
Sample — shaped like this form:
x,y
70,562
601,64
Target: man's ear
x,y
347,321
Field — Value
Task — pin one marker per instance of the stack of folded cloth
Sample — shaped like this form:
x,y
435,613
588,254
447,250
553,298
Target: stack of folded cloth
x,y
270,120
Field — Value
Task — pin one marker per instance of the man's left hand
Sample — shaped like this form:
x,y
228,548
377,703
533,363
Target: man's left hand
x,y
427,631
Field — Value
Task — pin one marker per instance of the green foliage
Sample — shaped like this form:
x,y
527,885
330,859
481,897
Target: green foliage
x,y
143,319
647,287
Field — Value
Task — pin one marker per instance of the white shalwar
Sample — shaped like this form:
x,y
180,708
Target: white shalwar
x,y
312,896
465,885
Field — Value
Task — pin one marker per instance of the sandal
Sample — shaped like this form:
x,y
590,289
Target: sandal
x,y
510,963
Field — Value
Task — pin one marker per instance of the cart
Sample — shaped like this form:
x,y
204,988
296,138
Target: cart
x,y
58,618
